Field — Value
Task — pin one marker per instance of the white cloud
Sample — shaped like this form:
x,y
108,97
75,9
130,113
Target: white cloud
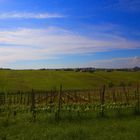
x,y
36,44
26,15
126,5
126,62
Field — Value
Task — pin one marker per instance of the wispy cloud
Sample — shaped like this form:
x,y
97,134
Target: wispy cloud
x,y
26,15
51,43
129,5
133,5
126,62
126,5
2,1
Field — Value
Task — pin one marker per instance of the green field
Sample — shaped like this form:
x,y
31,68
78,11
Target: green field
x,y
89,128
77,120
11,80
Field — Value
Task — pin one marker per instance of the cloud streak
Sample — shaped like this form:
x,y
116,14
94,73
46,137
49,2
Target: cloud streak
x,y
126,62
127,5
25,15
133,5
51,43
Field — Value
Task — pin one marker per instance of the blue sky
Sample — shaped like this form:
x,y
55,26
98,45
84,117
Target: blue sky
x,y
69,33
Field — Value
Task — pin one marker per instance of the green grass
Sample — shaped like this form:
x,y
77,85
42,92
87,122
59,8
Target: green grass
x,y
86,127
27,79
114,128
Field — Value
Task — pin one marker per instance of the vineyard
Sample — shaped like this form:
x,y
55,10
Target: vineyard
x,y
58,102
59,105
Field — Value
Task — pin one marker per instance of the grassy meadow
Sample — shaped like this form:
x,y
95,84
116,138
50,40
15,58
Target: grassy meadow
x,y
125,127
13,80
78,120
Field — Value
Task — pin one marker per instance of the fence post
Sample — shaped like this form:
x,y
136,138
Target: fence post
x,y
126,95
138,94
21,98
114,95
2,98
89,97
75,96
59,102
137,100
33,105
28,98
46,96
102,98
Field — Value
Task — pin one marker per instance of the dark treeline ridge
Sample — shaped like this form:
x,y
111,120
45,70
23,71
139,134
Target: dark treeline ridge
x,y
86,69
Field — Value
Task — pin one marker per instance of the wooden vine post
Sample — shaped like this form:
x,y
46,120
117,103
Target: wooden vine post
x,y
102,98
113,95
138,94
33,105
59,103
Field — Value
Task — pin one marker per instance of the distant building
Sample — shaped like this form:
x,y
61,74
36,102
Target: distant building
x,y
136,69
87,69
